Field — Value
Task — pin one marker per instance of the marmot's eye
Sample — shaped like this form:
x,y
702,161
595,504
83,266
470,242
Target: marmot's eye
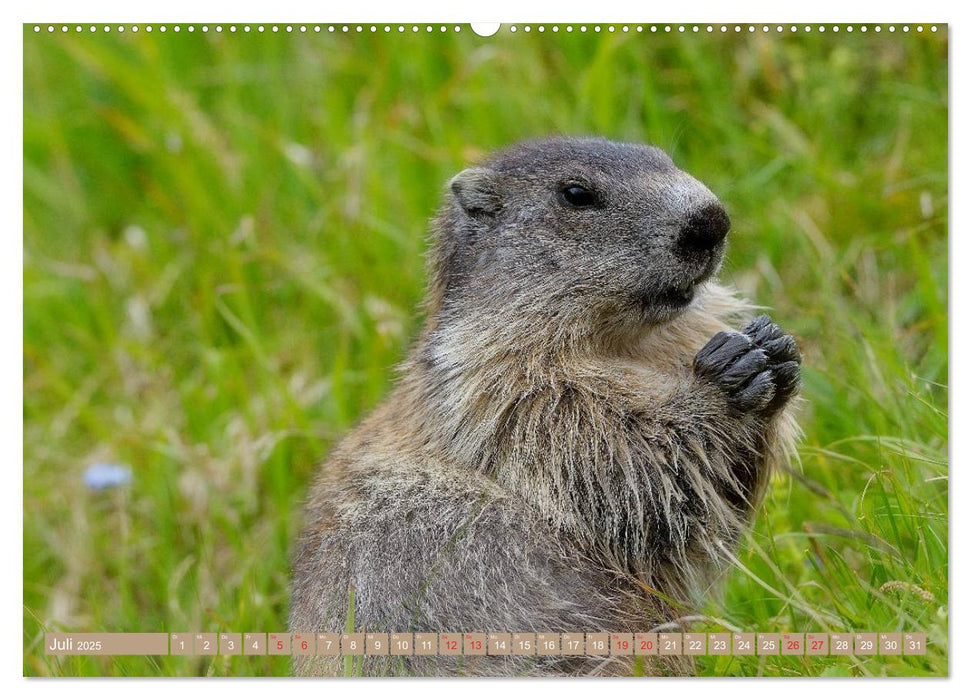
x,y
577,196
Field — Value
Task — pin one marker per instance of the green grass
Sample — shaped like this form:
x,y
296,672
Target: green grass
x,y
223,240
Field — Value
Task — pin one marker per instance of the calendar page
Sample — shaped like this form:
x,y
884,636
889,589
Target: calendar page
x,y
485,350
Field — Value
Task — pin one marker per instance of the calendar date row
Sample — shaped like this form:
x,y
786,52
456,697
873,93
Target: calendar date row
x,y
491,644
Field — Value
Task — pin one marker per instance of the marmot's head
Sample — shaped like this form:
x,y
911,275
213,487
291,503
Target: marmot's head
x,y
585,234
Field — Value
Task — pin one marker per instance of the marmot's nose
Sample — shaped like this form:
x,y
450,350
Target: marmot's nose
x,y
705,228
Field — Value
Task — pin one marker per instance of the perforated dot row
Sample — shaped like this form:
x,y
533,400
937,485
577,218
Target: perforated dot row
x,y
246,28
414,28
725,28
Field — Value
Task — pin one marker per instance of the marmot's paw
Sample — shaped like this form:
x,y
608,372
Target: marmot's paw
x,y
740,368
784,357
753,380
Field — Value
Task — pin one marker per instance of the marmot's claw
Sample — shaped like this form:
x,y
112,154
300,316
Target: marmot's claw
x,y
779,345
757,396
758,372
787,382
741,372
783,350
721,352
762,329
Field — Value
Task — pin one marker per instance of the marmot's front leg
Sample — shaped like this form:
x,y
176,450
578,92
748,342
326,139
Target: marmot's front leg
x,y
758,370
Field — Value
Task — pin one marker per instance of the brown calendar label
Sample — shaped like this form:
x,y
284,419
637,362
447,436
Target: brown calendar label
x,y
376,644
303,644
500,644
450,644
426,644
743,643
230,644
792,644
865,644
352,644
598,644
891,643
402,644
768,643
278,644
915,643
180,644
841,644
254,644
328,644
695,643
475,644
669,643
107,643
524,644
547,644
720,644
645,644
621,644
572,644
204,644
817,644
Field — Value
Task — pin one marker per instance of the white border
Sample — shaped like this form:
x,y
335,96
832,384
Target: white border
x,y
819,11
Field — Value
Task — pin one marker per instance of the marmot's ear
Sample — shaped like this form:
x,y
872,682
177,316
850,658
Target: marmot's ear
x,y
476,190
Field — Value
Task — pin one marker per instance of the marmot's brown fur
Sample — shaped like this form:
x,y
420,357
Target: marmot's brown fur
x,y
578,439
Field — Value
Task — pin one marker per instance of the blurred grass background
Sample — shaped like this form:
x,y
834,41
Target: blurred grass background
x,y
223,239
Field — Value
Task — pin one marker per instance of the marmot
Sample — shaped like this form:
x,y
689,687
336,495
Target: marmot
x,y
577,439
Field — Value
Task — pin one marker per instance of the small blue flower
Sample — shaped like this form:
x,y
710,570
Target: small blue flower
x,y
99,477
